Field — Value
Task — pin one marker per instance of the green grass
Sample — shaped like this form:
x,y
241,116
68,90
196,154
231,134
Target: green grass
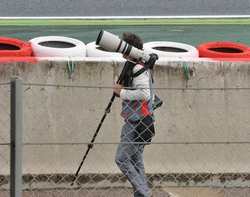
x,y
63,22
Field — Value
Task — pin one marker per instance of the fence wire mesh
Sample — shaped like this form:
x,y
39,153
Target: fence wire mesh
x,y
201,145
4,139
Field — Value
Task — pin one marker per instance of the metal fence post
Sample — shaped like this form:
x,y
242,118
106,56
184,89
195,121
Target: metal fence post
x,y
16,129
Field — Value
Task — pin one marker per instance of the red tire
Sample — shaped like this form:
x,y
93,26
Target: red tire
x,y
11,47
223,49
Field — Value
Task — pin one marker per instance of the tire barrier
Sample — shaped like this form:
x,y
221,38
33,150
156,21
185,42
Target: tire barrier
x,y
11,47
223,49
58,46
171,49
94,50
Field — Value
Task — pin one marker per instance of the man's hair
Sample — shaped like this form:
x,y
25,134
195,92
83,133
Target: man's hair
x,y
132,39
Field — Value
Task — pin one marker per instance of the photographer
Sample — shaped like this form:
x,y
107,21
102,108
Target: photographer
x,y
138,129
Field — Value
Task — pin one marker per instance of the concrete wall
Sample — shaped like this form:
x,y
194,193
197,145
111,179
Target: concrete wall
x,y
123,7
67,114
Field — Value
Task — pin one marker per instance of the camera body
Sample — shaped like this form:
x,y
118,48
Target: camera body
x,y
113,43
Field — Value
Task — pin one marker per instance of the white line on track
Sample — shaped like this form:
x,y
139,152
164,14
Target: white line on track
x,y
128,17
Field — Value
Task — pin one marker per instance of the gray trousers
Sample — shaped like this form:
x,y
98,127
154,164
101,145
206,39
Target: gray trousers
x,y
129,158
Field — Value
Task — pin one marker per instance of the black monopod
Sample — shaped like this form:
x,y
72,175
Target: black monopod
x,y
107,110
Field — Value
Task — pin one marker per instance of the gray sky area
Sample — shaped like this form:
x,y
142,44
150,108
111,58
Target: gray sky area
x,y
123,7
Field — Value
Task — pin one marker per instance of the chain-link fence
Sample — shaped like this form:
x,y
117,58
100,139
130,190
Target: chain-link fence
x,y
4,139
201,145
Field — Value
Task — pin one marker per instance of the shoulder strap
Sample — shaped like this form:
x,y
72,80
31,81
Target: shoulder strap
x,y
142,70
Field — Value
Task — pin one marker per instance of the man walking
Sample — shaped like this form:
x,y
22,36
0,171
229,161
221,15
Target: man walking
x,y
137,111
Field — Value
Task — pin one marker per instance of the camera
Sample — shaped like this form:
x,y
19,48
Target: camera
x,y
113,43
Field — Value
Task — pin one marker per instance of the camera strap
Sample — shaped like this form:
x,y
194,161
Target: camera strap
x,y
139,72
136,74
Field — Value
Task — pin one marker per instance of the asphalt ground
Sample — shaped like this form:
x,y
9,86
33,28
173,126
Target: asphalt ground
x,y
123,8
190,31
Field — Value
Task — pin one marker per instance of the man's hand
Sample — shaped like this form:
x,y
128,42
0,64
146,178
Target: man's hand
x,y
151,62
117,89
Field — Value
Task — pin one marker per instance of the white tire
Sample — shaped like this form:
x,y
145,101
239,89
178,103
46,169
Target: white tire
x,y
171,49
58,46
94,50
